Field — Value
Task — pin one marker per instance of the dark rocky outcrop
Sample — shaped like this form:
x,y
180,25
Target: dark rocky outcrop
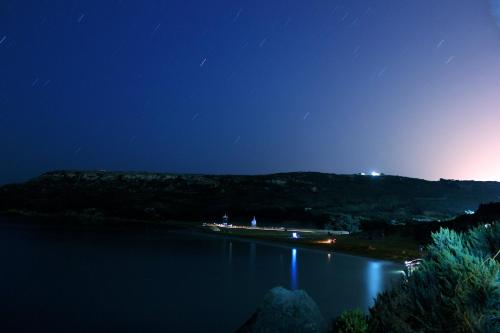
x,y
287,311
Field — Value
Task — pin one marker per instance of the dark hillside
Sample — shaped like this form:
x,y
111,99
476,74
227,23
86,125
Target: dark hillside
x,y
302,197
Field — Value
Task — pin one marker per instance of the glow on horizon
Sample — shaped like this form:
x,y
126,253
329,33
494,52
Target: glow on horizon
x,y
463,141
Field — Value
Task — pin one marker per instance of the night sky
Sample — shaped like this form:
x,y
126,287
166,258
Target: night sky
x,y
248,87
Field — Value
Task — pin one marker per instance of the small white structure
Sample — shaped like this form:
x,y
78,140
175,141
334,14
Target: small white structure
x,y
295,235
375,174
254,222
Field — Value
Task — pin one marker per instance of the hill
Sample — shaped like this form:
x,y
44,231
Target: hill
x,y
302,197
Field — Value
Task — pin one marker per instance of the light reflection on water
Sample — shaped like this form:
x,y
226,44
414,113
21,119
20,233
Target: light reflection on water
x,y
368,283
373,280
188,275
293,270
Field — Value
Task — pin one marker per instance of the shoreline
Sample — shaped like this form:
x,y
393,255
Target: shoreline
x,y
291,245
346,244
393,248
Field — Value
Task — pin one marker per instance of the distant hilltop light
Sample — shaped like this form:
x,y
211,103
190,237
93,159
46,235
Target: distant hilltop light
x,y
373,174
470,212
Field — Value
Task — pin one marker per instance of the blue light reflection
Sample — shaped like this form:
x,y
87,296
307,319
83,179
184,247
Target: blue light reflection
x,y
293,271
374,281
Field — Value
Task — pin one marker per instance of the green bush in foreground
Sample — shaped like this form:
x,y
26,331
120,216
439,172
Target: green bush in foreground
x,y
352,321
455,289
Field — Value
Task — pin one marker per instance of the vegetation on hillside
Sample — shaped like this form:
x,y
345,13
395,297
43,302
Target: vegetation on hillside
x,y
301,198
456,289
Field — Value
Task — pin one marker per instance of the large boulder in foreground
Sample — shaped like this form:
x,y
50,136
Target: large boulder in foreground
x,y
284,310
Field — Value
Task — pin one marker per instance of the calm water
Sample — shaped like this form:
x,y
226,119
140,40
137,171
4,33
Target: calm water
x,y
82,280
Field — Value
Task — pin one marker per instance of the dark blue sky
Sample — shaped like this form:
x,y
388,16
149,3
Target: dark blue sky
x,y
399,86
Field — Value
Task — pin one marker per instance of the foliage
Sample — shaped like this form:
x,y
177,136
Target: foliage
x,y
352,321
305,199
485,242
344,222
456,289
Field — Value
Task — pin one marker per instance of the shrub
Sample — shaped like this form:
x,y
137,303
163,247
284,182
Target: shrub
x,y
352,321
456,288
344,222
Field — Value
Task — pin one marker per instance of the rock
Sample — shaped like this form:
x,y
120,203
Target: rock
x,y
284,310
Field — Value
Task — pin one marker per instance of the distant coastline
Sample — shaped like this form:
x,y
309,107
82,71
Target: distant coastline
x,y
351,244
389,217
